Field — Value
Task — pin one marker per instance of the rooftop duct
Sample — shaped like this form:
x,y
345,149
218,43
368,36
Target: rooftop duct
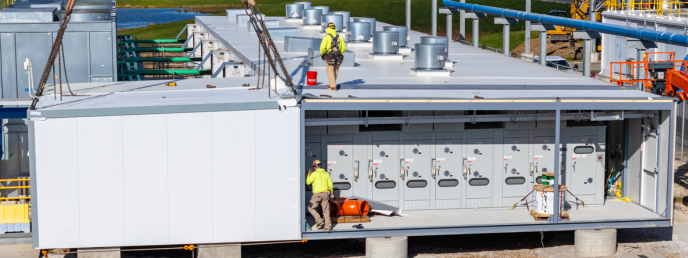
x,y
39,4
337,19
368,20
325,10
17,15
243,18
346,16
294,11
358,31
312,16
306,5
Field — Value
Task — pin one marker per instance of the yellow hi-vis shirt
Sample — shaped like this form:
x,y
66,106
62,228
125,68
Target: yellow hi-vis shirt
x,y
326,43
320,180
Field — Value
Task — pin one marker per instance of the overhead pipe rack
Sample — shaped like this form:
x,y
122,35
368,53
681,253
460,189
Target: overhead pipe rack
x,y
639,33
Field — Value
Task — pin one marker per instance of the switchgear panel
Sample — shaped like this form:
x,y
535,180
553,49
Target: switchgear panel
x,y
386,171
340,166
479,161
516,168
648,162
448,173
418,173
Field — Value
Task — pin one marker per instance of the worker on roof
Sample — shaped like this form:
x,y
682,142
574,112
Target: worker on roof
x,y
332,52
322,191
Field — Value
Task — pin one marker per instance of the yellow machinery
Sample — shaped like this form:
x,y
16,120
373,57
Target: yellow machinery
x,y
579,10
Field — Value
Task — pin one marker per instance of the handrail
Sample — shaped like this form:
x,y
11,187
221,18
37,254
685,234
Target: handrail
x,y
638,33
15,180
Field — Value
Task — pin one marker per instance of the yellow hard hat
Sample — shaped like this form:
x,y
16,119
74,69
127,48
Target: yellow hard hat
x,y
316,162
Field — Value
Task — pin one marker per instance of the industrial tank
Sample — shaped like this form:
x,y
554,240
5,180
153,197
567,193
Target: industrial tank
x,y
437,40
403,34
358,31
345,15
337,19
306,5
386,42
294,11
312,16
429,56
368,20
87,15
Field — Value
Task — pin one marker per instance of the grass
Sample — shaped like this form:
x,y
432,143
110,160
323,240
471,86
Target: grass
x,y
158,31
388,11
516,39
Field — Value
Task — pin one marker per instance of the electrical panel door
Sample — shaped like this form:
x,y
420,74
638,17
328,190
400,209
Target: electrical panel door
x,y
479,159
449,165
543,157
386,170
340,166
584,159
417,170
516,167
649,167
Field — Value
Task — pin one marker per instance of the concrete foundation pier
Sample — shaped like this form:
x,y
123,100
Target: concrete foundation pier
x,y
596,242
387,247
223,251
98,253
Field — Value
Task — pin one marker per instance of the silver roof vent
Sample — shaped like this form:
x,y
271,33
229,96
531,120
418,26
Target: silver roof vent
x,y
429,61
386,46
294,11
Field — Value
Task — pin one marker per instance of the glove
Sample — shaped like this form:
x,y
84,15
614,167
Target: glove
x,y
323,58
331,195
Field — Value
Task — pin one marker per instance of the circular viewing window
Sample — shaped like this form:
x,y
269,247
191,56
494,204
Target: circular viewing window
x,y
382,176
544,147
476,174
446,173
446,150
342,153
382,154
514,148
415,174
342,176
514,171
310,154
476,151
415,150
590,180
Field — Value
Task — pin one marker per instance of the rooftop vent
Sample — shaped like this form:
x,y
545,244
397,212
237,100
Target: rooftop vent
x,y
294,11
358,31
368,20
325,10
312,16
439,40
386,46
430,61
403,34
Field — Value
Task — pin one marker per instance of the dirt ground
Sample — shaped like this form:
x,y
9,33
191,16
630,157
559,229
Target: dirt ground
x,y
561,49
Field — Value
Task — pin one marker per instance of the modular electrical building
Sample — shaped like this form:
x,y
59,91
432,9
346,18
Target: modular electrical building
x,y
450,136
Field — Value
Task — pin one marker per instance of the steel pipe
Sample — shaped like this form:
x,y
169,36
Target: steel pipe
x,y
639,33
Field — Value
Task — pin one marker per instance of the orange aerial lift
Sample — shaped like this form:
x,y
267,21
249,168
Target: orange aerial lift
x,y
666,77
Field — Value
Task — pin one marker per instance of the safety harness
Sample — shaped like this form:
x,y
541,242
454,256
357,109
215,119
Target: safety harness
x,y
334,56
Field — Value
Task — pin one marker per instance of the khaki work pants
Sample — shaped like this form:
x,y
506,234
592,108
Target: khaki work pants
x,y
332,72
322,200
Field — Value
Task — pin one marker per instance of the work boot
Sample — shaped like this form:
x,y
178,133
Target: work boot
x,y
333,88
318,226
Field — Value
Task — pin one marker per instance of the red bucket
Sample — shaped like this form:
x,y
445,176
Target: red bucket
x,y
311,78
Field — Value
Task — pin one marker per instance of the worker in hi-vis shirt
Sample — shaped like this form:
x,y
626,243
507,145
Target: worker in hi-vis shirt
x,y
332,52
322,191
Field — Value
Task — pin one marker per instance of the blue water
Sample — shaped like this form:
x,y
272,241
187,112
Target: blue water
x,y
134,18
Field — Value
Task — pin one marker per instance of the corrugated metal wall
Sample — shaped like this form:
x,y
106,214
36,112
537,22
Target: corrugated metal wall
x,y
168,179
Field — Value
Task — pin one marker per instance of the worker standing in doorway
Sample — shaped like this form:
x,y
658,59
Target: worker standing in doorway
x,y
322,191
332,52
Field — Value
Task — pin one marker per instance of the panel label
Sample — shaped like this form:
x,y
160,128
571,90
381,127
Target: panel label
x,y
440,159
471,158
409,160
377,161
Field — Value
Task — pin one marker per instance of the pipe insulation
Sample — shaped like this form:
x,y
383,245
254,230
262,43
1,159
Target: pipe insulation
x,y
640,33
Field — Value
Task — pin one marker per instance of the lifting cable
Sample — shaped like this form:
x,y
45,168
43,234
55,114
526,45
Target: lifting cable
x,y
54,51
268,45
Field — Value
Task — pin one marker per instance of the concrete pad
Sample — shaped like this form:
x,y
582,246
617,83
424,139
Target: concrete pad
x,y
24,250
225,251
681,232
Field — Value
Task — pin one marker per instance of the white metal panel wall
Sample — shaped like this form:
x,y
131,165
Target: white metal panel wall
x,y
278,146
100,180
57,177
189,176
144,139
234,176
165,179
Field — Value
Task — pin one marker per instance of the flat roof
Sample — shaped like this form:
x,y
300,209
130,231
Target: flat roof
x,y
477,76
472,66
